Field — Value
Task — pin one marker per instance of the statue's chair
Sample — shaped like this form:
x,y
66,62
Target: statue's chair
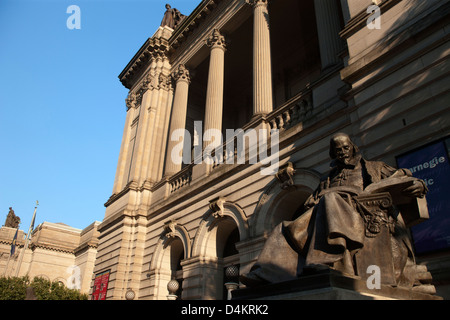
x,y
382,212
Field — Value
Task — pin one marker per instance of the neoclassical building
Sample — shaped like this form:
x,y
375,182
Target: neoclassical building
x,y
288,75
55,251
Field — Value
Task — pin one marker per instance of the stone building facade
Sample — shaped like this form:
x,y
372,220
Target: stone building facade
x,y
56,252
289,74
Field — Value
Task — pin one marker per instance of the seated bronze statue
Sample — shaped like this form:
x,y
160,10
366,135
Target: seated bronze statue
x,y
355,219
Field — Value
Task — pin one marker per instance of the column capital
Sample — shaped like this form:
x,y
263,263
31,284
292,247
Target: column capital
x,y
147,83
164,82
216,40
256,3
131,101
182,74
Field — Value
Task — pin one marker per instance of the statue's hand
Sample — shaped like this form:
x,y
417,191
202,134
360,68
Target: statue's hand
x,y
417,190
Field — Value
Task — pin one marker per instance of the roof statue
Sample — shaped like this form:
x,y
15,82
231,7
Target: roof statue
x,y
12,221
172,17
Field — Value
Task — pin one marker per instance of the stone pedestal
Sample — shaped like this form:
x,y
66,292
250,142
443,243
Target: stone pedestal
x,y
328,285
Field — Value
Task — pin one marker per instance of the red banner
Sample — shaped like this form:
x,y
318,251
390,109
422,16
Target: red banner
x,y
100,286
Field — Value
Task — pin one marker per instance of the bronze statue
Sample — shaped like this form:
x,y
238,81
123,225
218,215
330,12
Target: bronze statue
x,y
172,17
12,221
350,222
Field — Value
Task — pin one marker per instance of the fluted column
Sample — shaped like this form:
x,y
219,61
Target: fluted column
x,y
178,118
262,64
328,28
214,93
120,178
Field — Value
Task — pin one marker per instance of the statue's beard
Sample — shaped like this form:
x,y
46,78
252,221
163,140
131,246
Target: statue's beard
x,y
345,160
348,160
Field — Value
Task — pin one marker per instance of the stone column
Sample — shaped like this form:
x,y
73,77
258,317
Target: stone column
x,y
120,179
262,65
328,28
214,93
178,118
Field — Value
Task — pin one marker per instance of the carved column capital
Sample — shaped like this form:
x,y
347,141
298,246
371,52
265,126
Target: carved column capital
x,y
256,3
216,40
182,74
164,82
147,83
130,101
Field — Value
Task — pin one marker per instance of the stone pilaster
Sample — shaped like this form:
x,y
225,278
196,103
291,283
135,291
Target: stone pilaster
x,y
178,118
262,65
214,93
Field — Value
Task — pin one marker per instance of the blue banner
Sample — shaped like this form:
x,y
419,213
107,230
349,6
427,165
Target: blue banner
x,y
431,164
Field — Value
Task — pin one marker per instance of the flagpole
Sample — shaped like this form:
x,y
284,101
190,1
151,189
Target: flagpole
x,y
27,239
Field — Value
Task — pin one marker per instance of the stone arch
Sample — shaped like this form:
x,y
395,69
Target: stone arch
x,y
172,230
278,202
221,217
173,246
222,226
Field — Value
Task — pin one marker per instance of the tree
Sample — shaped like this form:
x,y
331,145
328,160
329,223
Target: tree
x,y
14,288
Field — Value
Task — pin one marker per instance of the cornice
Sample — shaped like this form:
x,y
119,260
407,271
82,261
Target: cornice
x,y
85,246
158,45
192,22
49,247
153,48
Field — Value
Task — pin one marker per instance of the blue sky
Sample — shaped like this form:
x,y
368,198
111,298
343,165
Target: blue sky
x,y
62,106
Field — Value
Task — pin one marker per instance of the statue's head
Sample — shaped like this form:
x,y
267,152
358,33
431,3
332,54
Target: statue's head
x,y
168,6
342,148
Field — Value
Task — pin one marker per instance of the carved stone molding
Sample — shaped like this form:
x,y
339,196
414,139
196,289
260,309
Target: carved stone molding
x,y
170,228
285,176
217,207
